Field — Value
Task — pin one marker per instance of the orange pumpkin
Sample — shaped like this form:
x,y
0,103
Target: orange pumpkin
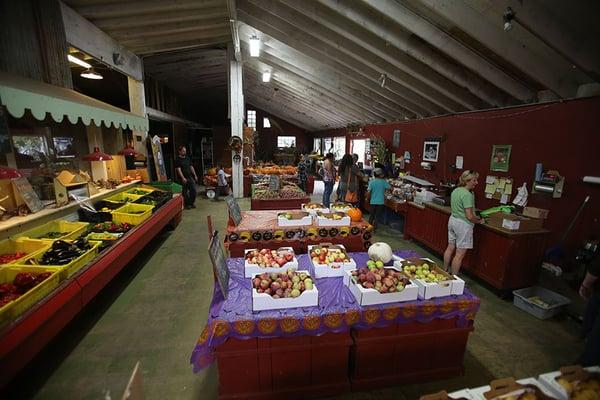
x,y
355,214
212,171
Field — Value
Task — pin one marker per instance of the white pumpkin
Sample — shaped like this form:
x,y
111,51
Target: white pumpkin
x,y
380,252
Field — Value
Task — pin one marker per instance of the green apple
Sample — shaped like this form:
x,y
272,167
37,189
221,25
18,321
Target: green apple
x,y
379,264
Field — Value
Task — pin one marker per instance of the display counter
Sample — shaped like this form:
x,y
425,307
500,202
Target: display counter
x,y
505,259
333,347
24,337
278,204
260,229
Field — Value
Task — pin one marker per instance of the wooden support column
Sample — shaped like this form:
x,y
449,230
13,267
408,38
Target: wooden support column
x,y
236,116
137,106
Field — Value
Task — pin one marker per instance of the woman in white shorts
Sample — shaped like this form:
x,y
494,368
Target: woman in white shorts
x,y
462,219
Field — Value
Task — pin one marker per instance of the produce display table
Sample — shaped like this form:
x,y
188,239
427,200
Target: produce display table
x,y
278,204
505,259
26,336
260,229
333,347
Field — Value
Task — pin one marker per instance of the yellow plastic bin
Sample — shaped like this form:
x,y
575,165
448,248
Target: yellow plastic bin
x,y
22,245
57,229
123,197
16,308
139,191
66,270
133,214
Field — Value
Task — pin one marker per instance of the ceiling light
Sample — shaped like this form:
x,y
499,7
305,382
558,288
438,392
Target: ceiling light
x,y
97,155
382,80
91,73
266,122
9,173
79,62
508,17
254,46
266,76
128,151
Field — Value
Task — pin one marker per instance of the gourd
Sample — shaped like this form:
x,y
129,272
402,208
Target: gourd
x,y
355,214
380,251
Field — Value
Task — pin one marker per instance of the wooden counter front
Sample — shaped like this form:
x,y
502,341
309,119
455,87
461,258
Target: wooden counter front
x,y
504,259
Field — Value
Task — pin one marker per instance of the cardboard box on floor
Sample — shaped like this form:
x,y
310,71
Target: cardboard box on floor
x,y
513,222
535,212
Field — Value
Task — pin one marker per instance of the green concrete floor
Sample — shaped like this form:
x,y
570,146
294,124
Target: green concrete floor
x,y
156,308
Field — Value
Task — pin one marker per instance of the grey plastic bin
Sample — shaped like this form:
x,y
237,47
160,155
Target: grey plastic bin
x,y
556,302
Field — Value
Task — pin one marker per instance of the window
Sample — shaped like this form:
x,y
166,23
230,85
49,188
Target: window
x,y
286,141
266,123
359,146
251,119
30,150
327,145
317,145
339,147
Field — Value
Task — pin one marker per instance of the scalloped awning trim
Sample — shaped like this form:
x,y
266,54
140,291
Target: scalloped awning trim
x,y
18,94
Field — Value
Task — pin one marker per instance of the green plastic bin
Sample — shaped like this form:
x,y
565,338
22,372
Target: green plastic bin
x,y
168,186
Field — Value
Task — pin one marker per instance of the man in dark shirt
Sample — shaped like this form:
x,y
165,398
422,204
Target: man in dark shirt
x,y
187,176
590,291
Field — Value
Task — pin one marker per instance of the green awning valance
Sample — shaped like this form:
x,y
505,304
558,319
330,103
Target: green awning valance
x,y
18,94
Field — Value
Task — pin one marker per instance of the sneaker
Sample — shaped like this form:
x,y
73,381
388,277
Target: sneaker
x,y
193,206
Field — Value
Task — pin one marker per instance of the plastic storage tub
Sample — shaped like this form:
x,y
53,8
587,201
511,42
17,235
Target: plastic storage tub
x,y
126,213
22,245
68,230
15,308
66,270
555,302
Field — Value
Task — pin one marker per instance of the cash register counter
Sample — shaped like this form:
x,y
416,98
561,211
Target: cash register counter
x,y
505,259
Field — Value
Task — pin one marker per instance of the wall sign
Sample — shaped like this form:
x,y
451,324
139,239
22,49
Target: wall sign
x,y
25,191
431,151
219,262
396,138
234,209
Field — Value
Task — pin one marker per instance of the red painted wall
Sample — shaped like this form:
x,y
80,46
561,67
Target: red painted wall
x,y
268,136
563,136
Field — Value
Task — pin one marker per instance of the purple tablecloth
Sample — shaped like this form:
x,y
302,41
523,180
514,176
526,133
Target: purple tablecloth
x,y
337,311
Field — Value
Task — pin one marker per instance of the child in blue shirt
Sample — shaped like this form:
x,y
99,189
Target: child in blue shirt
x,y
377,188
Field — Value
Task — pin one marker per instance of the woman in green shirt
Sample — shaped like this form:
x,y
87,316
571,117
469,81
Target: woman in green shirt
x,y
462,219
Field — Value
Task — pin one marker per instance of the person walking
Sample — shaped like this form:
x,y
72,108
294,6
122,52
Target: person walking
x,y
303,166
590,291
328,179
377,187
461,221
187,176
349,180
222,185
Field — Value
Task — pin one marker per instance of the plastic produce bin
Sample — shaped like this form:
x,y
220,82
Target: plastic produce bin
x,y
556,302
123,198
125,213
66,270
138,191
23,245
168,186
69,230
17,307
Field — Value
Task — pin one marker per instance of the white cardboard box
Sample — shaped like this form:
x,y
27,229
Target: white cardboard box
x,y
440,289
461,394
333,269
511,224
297,219
340,208
323,220
314,210
478,392
369,297
263,301
252,269
548,381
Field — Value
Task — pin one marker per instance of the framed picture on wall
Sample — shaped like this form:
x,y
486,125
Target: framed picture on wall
x,y
500,157
396,138
431,151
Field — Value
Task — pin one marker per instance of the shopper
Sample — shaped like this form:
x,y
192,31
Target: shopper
x,y
187,176
303,169
328,173
377,187
590,291
349,180
461,222
222,185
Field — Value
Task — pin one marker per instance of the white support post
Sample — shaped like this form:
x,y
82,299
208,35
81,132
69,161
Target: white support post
x,y
236,115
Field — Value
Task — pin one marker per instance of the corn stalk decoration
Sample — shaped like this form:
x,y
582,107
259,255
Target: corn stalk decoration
x,y
378,149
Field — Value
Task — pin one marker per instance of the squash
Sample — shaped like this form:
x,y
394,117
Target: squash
x,y
380,251
355,214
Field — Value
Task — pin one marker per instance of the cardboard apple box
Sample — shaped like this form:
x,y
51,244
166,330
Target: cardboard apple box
x,y
571,373
340,207
320,208
501,388
427,290
251,269
369,297
263,301
458,395
334,269
299,218
326,219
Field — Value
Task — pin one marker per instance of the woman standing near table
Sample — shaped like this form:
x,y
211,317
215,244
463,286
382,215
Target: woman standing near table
x,y
461,222
328,173
349,179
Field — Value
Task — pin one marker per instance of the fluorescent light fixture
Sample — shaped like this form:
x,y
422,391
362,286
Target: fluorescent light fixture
x,y
266,76
266,122
254,46
79,62
90,73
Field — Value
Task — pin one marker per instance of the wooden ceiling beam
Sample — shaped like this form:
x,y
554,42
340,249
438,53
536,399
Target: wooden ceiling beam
x,y
174,46
179,37
140,7
169,29
166,17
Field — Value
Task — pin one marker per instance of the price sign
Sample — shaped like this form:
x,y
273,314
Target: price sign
x,y
234,209
274,182
219,262
25,191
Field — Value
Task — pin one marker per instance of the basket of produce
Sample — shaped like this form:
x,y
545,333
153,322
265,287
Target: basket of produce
x,y
330,260
573,382
107,206
133,214
12,250
508,388
294,218
266,260
86,215
314,208
332,219
66,256
287,289
443,395
21,287
57,229
111,227
124,197
340,207
168,186
156,199
431,279
139,191
380,285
